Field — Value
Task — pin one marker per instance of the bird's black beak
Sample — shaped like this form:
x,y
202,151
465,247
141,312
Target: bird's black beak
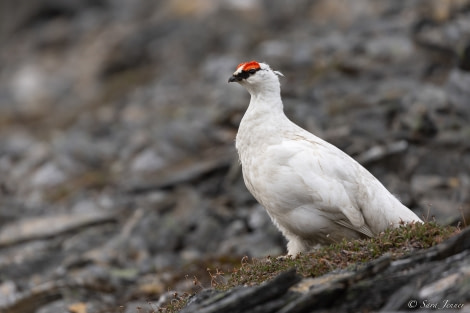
x,y
233,79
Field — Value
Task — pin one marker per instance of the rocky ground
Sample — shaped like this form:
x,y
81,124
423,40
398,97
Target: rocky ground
x,y
118,177
435,279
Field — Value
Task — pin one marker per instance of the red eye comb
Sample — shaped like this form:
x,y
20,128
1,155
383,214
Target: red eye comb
x,y
249,65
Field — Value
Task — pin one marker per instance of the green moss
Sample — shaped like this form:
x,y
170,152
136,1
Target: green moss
x,y
397,242
342,255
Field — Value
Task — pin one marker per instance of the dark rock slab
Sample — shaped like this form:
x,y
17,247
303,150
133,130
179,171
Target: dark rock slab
x,y
263,298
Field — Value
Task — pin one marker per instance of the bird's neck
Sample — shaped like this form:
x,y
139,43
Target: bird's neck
x,y
262,121
266,101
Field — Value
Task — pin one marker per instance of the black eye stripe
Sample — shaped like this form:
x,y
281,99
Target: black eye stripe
x,y
246,74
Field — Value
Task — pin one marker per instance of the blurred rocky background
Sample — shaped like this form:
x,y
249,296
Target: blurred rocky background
x,y
119,181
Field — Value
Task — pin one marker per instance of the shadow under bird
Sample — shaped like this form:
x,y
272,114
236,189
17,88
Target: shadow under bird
x,y
313,192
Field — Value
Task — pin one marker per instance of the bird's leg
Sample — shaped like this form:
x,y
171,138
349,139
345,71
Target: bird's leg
x,y
296,245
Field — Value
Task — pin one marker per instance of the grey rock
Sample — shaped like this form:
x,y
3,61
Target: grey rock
x,y
40,227
58,306
258,218
147,160
457,90
390,48
48,175
422,183
258,244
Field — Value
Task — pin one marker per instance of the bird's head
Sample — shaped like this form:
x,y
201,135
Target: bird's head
x,y
255,76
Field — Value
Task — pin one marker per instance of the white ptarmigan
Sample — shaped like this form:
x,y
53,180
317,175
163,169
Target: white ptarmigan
x,y
313,191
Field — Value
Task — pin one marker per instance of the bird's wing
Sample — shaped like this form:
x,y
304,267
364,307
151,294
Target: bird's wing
x,y
364,229
331,175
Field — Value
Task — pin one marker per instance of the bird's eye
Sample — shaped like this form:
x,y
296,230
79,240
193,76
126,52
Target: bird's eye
x,y
252,71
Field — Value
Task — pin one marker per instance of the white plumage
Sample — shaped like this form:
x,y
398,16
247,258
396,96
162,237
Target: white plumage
x,y
313,192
